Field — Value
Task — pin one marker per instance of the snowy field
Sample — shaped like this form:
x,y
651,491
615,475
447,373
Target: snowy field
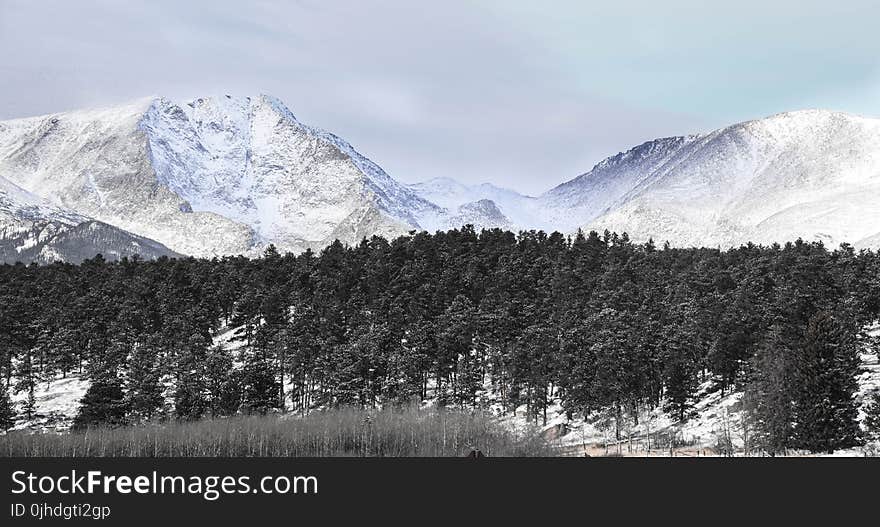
x,y
56,404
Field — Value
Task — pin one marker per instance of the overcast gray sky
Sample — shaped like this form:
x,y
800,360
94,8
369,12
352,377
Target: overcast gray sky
x,y
523,94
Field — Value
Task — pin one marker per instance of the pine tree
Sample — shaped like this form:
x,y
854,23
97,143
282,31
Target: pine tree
x,y
27,382
7,410
681,385
144,391
734,341
455,351
826,411
62,351
768,397
190,393
103,403
221,383
259,383
302,339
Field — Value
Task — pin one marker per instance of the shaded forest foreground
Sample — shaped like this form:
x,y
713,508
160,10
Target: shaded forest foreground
x,y
461,319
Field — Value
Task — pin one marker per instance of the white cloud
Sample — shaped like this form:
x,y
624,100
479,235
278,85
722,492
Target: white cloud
x,y
474,90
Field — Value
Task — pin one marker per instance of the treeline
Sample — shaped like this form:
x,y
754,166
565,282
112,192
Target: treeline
x,y
595,321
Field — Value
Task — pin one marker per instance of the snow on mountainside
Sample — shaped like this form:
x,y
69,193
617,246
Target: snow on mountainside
x,y
33,230
218,175
17,204
96,163
228,175
252,161
811,174
584,198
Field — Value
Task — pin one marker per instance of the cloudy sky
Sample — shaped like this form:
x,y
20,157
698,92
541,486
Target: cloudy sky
x,y
520,93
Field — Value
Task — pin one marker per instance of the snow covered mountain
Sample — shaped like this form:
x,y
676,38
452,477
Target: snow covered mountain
x,y
214,176
226,175
811,174
33,230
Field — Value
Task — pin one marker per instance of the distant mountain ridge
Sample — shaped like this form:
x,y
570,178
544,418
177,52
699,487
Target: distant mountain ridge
x,y
230,175
809,174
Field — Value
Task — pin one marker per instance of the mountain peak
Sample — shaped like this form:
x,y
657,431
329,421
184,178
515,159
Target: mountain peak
x,y
812,113
214,175
796,121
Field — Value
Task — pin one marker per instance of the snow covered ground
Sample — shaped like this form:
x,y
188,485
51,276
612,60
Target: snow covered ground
x,y
56,404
